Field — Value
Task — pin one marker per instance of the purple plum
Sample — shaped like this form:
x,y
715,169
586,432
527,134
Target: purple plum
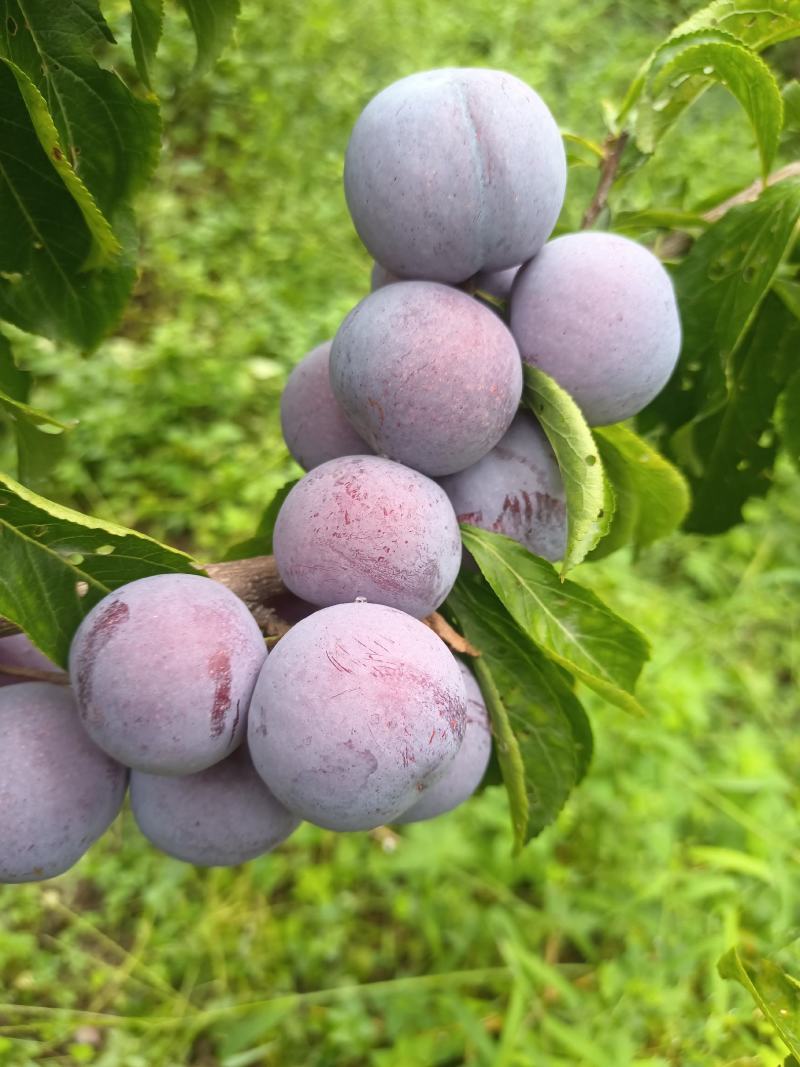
x,y
163,670
19,651
356,710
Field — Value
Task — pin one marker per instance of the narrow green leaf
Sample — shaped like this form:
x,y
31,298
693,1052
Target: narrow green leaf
x,y
686,65
632,223
532,709
775,993
260,544
721,284
39,438
147,22
590,499
571,625
652,496
212,22
788,417
791,105
789,292
105,245
47,550
14,382
729,452
110,136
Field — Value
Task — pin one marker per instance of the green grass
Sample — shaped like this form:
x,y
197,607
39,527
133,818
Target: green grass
x,y
433,946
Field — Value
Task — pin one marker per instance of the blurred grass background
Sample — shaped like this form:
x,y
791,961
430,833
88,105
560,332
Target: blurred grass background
x,y
597,946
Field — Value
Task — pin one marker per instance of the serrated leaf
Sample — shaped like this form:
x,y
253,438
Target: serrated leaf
x,y
788,418
652,496
590,501
212,22
110,136
48,549
720,285
570,624
105,245
147,22
774,992
531,707
729,453
687,65
260,544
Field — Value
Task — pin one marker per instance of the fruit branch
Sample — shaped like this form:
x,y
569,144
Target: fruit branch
x,y
613,147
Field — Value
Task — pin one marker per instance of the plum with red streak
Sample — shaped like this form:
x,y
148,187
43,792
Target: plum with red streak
x,y
19,651
466,772
163,670
356,710
219,817
427,375
516,490
362,526
314,426
58,791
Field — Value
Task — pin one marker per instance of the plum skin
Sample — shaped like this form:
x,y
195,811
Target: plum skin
x,y
516,490
362,526
427,375
19,651
163,669
219,817
357,708
466,772
449,172
58,791
314,426
598,313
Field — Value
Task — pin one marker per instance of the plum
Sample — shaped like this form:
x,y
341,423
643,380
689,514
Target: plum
x,y
314,426
380,276
496,283
427,375
19,651
362,526
466,772
357,708
163,670
516,490
58,791
219,817
598,313
453,171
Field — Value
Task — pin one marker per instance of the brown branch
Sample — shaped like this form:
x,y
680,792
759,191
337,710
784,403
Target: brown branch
x,y
613,148
32,674
256,581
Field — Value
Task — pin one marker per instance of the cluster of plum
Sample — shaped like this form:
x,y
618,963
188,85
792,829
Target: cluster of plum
x,y
407,423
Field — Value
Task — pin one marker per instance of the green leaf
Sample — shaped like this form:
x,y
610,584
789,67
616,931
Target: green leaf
x,y
571,625
638,222
261,542
720,285
14,382
687,65
590,500
105,245
775,993
147,21
789,292
110,136
48,549
652,496
788,418
532,709
729,453
212,22
791,105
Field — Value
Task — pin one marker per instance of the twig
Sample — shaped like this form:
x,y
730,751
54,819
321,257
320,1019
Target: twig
x,y
32,674
613,147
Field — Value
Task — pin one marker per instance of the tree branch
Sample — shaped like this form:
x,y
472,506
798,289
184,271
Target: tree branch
x,y
613,148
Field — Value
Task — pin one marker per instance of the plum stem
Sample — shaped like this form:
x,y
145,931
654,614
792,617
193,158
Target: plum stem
x,y
613,148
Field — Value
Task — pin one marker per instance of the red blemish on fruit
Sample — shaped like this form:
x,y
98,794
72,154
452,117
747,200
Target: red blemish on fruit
x,y
219,671
106,624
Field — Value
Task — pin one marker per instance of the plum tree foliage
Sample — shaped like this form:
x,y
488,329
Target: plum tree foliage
x,y
483,356
366,527
427,375
357,710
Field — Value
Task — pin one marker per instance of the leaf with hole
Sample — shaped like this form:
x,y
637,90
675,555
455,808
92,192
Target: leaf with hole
x,y
590,498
